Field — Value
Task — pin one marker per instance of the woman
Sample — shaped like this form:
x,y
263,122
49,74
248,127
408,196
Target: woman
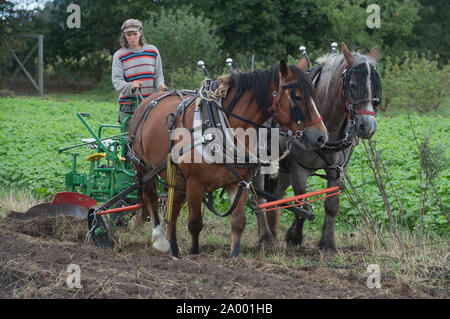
x,y
136,65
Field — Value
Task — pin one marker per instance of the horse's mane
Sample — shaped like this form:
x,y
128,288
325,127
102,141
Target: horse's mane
x,y
259,83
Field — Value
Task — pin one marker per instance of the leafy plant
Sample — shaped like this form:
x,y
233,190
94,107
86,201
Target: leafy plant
x,y
33,129
417,83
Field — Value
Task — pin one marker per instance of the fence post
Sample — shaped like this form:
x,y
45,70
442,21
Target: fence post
x,y
41,64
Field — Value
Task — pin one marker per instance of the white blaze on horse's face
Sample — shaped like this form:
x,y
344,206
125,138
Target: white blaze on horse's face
x,y
315,110
366,124
369,88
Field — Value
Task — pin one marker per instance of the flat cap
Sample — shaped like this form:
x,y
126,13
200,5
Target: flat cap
x,y
131,25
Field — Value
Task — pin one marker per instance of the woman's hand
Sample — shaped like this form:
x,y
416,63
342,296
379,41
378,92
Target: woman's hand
x,y
136,84
162,87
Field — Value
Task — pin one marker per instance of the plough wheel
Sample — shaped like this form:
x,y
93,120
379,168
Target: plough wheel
x,y
102,235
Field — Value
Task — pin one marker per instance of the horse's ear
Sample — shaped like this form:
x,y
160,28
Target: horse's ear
x,y
374,54
284,69
302,64
348,55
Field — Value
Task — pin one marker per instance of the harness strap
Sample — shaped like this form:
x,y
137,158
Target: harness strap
x,y
313,122
237,116
208,199
209,202
138,184
171,177
366,112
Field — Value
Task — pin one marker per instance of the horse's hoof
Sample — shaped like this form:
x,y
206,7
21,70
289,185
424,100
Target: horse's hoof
x,y
235,252
267,242
193,251
175,254
294,242
293,239
327,246
162,246
159,239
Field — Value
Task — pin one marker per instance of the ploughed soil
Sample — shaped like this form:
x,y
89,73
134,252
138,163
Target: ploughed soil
x,y
35,255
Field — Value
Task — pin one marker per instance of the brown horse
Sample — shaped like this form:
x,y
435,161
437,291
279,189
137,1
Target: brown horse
x,y
348,89
252,98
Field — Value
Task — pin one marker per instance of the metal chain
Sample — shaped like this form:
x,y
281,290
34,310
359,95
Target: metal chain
x,y
94,224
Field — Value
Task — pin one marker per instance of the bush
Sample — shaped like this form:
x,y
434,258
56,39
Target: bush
x,y
416,83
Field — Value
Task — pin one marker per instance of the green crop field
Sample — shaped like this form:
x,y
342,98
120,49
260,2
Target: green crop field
x,y
33,129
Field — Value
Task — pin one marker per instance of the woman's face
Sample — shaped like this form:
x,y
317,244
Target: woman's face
x,y
133,38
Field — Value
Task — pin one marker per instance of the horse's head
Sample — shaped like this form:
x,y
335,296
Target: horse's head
x,y
295,108
361,90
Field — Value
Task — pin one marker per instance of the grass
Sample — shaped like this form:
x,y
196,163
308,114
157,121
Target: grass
x,y
19,200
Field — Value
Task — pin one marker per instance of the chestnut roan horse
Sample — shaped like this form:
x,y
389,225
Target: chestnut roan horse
x,y
348,90
283,92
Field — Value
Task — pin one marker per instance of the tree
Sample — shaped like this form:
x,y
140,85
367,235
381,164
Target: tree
x,y
273,29
432,30
183,39
348,20
244,27
99,34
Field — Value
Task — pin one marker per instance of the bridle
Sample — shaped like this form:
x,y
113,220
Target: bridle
x,y
295,112
352,105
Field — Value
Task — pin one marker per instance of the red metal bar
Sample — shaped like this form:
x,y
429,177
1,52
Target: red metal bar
x,y
121,209
301,202
299,197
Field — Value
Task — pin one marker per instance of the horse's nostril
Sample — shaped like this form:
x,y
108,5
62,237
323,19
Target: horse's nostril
x,y
320,140
361,127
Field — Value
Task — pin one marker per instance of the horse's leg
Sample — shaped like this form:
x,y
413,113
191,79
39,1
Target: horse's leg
x,y
238,220
141,217
150,201
172,225
279,189
331,209
294,235
265,237
195,221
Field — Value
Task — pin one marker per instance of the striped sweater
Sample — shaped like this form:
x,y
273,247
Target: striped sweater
x,y
129,65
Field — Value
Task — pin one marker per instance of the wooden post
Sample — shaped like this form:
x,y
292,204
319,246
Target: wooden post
x,y
40,46
41,64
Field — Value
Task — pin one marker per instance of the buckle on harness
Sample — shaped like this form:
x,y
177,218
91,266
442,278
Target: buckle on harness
x,y
207,137
245,184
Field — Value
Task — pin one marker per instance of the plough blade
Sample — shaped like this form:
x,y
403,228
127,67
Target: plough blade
x,y
48,210
64,203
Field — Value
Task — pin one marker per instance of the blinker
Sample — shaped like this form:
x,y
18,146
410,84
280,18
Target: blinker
x,y
296,114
